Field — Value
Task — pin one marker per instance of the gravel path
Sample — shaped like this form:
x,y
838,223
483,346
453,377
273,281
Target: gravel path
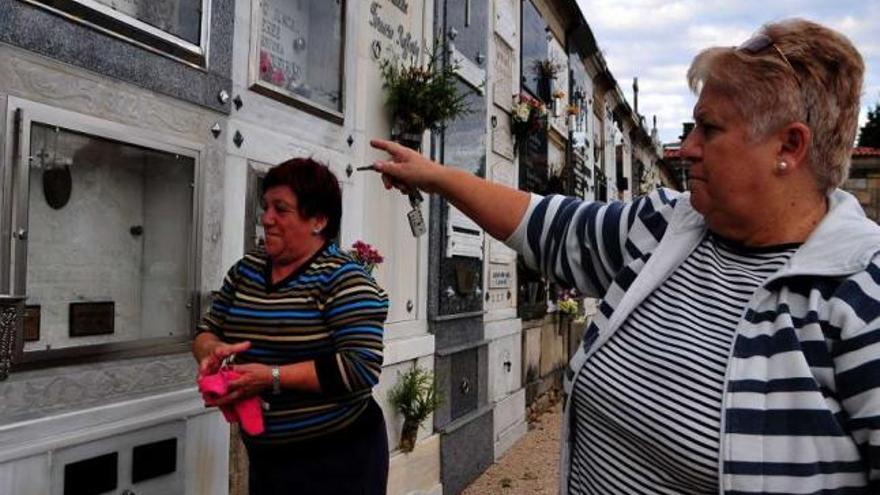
x,y
530,467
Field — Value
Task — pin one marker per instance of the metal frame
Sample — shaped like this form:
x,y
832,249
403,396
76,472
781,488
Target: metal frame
x,y
20,114
266,89
255,171
103,18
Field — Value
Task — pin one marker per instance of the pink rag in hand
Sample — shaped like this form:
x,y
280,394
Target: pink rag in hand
x,y
247,411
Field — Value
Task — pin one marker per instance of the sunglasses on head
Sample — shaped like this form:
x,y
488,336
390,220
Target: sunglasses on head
x,y
760,42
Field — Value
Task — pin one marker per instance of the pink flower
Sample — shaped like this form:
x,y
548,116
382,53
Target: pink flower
x,y
366,255
265,64
278,77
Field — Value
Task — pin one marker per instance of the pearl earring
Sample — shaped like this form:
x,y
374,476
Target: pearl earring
x,y
782,166
316,231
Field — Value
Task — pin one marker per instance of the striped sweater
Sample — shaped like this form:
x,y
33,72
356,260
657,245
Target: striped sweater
x,y
330,311
801,403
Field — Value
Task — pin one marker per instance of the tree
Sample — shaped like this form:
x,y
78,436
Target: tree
x,y
870,133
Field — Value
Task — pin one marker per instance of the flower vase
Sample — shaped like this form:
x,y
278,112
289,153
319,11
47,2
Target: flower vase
x,y
412,140
545,88
408,435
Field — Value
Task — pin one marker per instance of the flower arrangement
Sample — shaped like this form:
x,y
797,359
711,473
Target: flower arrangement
x,y
269,73
529,115
547,68
568,304
415,396
366,255
422,96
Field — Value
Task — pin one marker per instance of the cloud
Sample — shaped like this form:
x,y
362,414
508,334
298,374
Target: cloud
x,y
655,41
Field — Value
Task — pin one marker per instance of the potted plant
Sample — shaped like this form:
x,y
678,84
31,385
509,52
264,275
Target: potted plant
x,y
421,96
415,396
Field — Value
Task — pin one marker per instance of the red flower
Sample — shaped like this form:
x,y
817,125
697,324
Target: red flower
x,y
278,77
366,255
265,64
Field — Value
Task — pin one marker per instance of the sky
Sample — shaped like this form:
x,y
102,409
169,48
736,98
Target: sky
x,y
656,40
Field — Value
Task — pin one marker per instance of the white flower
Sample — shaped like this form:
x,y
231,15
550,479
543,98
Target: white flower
x,y
522,112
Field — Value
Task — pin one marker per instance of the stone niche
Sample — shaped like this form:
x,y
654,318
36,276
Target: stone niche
x,y
456,302
117,249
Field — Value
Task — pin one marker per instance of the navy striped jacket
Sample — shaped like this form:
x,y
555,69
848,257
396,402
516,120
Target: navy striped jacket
x,y
331,312
801,405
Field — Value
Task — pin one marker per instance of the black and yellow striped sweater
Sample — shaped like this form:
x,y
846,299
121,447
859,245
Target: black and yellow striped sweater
x,y
330,311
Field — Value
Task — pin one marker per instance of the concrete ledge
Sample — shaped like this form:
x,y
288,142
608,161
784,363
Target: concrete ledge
x,y
406,349
502,328
509,411
418,472
499,314
509,438
28,438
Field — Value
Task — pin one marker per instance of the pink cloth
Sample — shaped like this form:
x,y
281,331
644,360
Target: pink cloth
x,y
248,411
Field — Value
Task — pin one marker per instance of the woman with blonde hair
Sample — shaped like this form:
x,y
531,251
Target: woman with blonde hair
x,y
737,346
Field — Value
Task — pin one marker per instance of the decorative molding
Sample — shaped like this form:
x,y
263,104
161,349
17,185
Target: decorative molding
x,y
55,84
55,391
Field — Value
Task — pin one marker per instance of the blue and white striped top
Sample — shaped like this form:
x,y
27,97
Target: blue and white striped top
x,y
800,406
648,404
329,311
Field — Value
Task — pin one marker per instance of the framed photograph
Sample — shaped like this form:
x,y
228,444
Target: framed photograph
x,y
297,49
177,28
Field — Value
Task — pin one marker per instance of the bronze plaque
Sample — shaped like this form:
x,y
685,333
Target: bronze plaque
x,y
91,318
32,323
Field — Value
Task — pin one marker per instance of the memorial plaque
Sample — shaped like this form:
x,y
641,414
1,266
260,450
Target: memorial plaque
x,y
502,87
500,276
92,318
533,163
468,71
32,323
502,139
505,21
299,49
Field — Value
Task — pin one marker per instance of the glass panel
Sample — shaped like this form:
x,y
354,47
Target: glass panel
x,y
109,235
254,235
182,18
534,46
300,49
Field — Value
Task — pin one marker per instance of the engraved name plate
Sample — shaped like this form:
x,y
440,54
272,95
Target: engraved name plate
x,y
92,318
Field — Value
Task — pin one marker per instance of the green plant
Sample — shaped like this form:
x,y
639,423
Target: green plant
x,y
415,396
422,96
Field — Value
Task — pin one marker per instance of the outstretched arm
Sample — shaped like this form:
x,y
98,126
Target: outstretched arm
x,y
496,208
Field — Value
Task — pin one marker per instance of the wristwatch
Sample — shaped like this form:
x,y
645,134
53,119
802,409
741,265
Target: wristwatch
x,y
276,380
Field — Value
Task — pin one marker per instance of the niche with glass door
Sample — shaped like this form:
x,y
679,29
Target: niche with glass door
x,y
103,223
